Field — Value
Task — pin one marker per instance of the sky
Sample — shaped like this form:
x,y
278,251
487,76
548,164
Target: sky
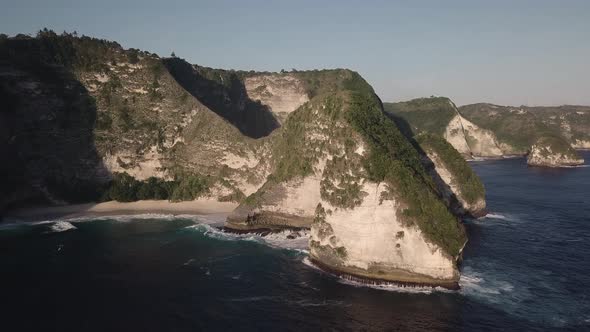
x,y
514,52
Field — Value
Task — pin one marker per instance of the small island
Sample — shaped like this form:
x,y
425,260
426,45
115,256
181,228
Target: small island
x,y
553,151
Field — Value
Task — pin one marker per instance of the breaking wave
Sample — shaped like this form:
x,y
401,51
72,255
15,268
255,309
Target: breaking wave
x,y
61,226
287,239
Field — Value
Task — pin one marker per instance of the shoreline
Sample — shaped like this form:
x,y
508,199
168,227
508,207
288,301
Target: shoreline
x,y
196,207
363,279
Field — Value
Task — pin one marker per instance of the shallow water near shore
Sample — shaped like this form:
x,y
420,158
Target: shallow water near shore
x,y
525,268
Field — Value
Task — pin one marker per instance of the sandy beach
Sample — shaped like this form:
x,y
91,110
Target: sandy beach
x,y
197,207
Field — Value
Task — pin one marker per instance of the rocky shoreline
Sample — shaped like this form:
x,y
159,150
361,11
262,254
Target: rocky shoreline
x,y
414,281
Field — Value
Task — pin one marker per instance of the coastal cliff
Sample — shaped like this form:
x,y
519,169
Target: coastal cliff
x,y
310,149
374,210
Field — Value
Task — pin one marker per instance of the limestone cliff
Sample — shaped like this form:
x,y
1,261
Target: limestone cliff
x,y
348,172
550,151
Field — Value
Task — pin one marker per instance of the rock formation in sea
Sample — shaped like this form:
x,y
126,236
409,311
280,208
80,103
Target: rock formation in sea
x,y
552,151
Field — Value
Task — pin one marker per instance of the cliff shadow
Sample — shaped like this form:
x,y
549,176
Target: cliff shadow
x,y
227,98
47,140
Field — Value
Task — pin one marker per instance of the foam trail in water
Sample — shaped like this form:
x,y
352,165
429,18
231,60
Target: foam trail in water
x,y
205,219
287,239
495,216
475,284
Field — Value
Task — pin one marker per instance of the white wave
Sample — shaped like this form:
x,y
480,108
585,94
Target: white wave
x,y
205,219
576,166
396,288
287,239
475,284
386,287
495,216
61,226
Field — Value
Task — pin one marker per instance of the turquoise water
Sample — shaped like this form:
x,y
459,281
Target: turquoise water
x,y
525,268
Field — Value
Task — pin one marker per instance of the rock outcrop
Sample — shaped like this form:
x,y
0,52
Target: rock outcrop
x,y
550,151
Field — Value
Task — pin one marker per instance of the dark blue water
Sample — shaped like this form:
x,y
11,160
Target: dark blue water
x,y
526,268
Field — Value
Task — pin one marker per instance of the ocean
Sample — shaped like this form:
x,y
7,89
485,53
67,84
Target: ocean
x,y
525,268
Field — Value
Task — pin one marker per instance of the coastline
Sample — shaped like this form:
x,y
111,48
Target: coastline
x,y
196,207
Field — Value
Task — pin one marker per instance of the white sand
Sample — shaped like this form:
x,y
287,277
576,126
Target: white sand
x,y
197,207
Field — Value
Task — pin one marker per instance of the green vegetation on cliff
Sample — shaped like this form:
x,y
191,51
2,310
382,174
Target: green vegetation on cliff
x,y
423,114
522,126
125,188
187,187
393,160
468,182
515,127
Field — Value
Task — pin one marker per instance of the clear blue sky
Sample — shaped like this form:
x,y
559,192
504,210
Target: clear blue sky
x,y
511,52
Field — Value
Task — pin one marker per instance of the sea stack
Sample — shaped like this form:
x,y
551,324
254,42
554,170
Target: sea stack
x,y
553,151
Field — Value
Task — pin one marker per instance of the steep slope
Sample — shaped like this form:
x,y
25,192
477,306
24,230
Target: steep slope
x,y
130,112
460,186
345,168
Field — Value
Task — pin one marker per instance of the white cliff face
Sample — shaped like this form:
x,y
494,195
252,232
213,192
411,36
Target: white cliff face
x,y
472,140
371,241
482,142
543,155
282,93
455,135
